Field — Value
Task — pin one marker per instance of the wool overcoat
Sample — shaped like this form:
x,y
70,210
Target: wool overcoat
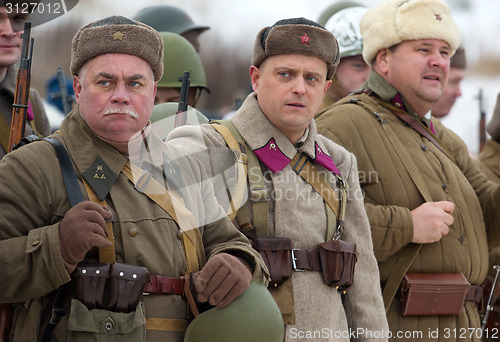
x,y
297,211
33,201
398,168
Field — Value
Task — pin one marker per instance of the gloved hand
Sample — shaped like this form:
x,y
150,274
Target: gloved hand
x,y
223,278
83,227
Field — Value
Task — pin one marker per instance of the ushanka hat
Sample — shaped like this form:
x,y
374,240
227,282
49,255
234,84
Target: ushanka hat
x,y
459,60
297,36
117,34
391,22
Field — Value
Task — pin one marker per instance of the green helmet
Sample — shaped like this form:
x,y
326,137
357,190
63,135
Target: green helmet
x,y
253,316
179,56
342,19
165,18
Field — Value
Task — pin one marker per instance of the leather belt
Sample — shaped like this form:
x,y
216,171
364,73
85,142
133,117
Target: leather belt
x,y
474,293
303,260
165,285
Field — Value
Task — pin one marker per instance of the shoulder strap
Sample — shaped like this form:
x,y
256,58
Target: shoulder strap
x,y
411,251
258,191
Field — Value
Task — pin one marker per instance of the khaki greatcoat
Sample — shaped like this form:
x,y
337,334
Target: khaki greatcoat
x,y
388,165
33,201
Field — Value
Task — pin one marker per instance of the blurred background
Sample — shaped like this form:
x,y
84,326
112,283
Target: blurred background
x,y
226,48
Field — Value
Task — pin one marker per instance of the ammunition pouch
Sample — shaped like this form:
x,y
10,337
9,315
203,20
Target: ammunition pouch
x,y
338,259
335,259
117,287
430,294
277,255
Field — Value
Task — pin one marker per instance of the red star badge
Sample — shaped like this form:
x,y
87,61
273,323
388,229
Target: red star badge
x,y
438,17
305,39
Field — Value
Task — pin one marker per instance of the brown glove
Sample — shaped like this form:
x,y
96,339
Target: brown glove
x,y
83,227
223,278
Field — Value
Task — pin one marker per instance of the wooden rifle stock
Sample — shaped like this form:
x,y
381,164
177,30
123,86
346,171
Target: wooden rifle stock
x,y
5,321
21,97
181,115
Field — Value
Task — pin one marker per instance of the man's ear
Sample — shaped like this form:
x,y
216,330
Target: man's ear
x,y
255,78
328,84
77,88
381,61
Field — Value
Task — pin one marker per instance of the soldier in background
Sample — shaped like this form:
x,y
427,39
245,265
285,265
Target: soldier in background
x,y
352,70
179,56
166,18
11,28
458,64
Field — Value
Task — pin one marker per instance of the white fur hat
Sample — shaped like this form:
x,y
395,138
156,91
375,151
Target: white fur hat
x,y
392,21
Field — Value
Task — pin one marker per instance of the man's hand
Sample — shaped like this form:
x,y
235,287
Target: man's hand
x,y
83,227
223,278
431,221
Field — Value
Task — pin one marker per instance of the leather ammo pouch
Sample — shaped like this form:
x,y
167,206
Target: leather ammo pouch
x,y
277,254
91,284
117,287
338,259
433,294
126,286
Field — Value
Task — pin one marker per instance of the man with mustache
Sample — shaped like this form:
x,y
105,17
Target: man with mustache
x,y
293,63
12,19
429,204
144,208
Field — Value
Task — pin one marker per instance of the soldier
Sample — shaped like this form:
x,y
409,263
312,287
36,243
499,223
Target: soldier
x,y
426,198
11,28
458,64
125,213
166,18
179,56
274,137
352,70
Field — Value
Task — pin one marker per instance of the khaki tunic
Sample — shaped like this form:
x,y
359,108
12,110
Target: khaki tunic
x,y
33,201
7,92
391,192
297,211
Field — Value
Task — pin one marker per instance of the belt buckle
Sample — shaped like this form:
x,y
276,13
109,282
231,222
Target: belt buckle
x,y
294,265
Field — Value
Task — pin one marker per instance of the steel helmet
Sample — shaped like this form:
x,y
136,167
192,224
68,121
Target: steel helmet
x,y
179,56
253,316
165,18
163,118
343,22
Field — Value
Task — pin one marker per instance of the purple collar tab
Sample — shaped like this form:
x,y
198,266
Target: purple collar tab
x,y
323,159
271,156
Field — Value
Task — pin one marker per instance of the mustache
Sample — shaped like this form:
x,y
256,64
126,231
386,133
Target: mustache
x,y
128,112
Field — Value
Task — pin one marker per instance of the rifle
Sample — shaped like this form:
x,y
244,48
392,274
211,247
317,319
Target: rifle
x,y
21,97
181,115
482,120
16,134
491,299
66,99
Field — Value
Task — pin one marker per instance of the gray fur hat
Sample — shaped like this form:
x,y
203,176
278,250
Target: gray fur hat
x,y
117,34
297,36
